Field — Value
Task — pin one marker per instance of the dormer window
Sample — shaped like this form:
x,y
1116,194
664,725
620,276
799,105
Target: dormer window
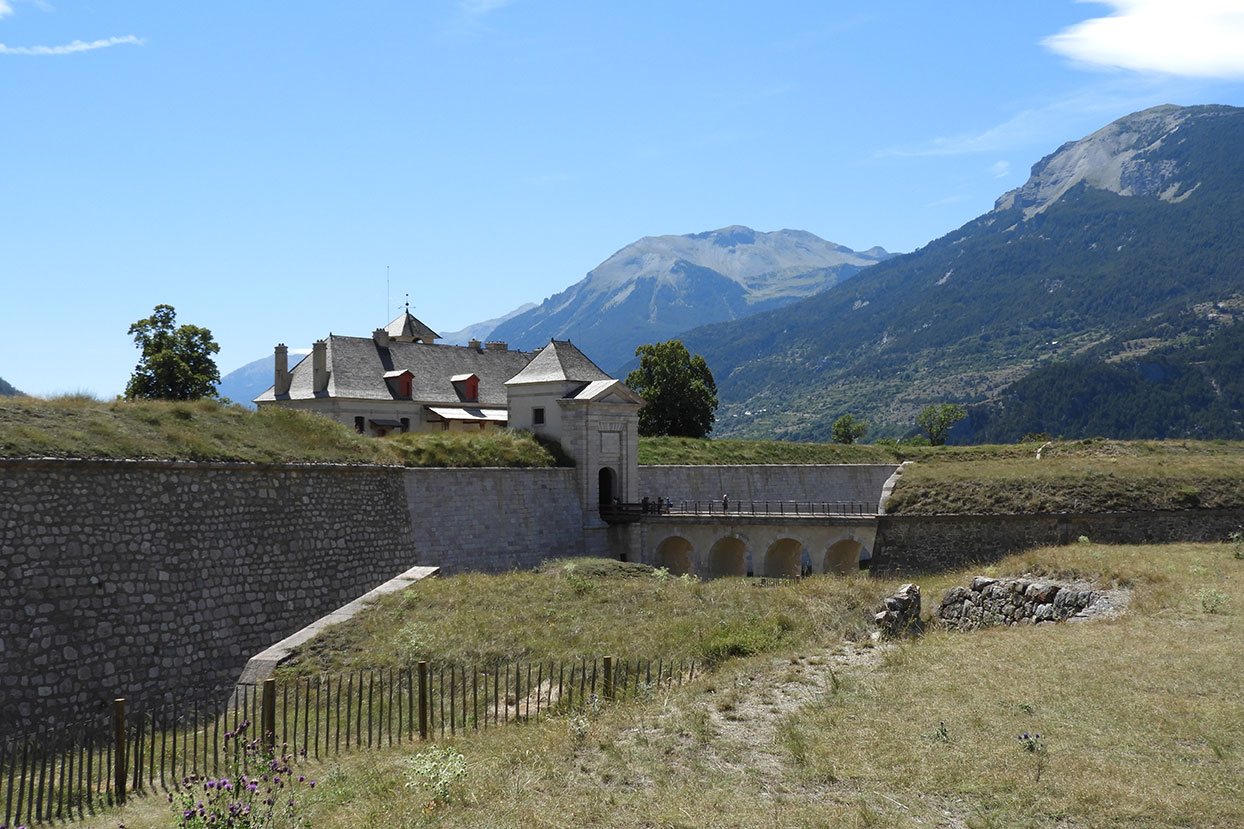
x,y
467,387
400,383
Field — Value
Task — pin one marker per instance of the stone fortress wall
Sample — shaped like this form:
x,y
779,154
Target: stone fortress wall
x,y
136,578
856,482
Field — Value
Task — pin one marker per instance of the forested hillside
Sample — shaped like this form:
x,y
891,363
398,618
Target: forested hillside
x,y
1092,272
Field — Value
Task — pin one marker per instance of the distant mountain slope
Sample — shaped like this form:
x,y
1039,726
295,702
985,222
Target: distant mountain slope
x,y
6,390
1109,246
481,331
659,286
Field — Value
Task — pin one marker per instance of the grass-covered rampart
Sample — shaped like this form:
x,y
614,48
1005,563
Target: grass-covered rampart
x,y
1069,476
206,430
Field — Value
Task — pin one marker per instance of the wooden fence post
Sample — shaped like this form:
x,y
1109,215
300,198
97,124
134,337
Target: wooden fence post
x,y
423,700
608,686
118,737
268,722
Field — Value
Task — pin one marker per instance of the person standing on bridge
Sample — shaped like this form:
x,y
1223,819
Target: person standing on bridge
x,y
725,503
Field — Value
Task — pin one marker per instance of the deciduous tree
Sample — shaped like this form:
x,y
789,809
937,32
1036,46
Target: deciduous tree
x,y
847,429
937,419
176,363
679,388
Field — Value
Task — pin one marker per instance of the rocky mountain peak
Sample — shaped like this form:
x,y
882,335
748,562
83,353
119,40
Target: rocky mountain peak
x,y
1124,157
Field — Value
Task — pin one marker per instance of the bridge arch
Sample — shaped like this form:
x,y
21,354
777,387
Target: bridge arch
x,y
676,554
727,557
784,559
843,557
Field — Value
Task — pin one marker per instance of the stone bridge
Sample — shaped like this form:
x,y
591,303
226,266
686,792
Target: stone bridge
x,y
742,521
775,546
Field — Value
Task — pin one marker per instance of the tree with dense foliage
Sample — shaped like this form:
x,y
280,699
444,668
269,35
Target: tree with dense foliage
x,y
679,388
936,420
847,429
176,363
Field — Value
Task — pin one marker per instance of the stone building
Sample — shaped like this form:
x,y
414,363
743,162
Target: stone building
x,y
401,380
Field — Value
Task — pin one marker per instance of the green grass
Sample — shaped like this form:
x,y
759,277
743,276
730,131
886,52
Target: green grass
x,y
78,426
1139,717
572,608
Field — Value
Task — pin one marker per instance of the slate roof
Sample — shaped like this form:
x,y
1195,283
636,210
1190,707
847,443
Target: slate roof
x,y
357,367
407,326
559,361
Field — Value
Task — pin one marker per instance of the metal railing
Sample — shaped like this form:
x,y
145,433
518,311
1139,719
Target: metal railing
x,y
788,509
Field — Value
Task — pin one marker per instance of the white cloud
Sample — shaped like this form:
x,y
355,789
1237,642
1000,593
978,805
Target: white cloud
x,y
70,48
1190,38
6,8
477,8
1000,169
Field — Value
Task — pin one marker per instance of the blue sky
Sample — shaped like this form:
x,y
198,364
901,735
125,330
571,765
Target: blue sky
x,y
260,165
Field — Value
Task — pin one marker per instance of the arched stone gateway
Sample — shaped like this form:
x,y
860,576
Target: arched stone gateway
x,y
728,557
608,485
783,559
674,554
843,557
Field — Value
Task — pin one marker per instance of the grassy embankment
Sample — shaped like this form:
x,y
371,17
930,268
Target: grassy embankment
x,y
205,430
1139,715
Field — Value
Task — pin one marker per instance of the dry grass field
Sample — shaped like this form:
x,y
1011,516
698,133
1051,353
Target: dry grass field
x,y
1139,714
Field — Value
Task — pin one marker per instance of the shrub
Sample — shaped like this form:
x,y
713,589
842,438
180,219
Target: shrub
x,y
437,769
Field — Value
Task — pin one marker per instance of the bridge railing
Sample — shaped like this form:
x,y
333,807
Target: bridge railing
x,y
799,509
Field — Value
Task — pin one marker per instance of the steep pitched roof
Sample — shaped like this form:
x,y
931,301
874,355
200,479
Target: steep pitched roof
x,y
559,361
357,367
407,326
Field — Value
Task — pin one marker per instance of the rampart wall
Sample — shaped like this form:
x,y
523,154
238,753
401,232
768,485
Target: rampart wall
x,y
134,578
859,482
493,520
922,543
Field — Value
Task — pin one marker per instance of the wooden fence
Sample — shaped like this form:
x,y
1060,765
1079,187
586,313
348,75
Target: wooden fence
x,y
83,768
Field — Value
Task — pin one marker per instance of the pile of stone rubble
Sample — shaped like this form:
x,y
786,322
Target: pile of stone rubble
x,y
991,602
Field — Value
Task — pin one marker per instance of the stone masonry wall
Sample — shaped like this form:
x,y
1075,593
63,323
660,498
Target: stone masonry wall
x,y
767,482
989,602
923,543
493,520
132,578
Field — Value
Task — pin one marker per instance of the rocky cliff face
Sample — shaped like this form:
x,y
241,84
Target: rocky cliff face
x,y
660,286
1124,157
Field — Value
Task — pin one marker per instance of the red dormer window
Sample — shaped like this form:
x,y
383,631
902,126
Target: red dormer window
x,y
401,383
467,386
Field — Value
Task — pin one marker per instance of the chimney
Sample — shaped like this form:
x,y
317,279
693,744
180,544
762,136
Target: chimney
x,y
474,344
495,345
280,380
319,366
381,337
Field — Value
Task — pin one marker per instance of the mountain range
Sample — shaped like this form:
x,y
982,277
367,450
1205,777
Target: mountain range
x,y
1121,250
7,390
659,286
1099,298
